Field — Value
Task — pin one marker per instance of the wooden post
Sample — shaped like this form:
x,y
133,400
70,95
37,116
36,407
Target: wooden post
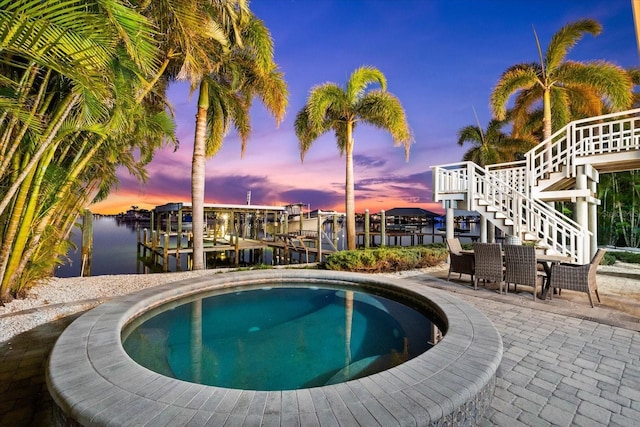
x,y
237,241
383,229
87,243
319,241
367,235
179,241
144,246
190,256
215,228
335,231
285,223
165,253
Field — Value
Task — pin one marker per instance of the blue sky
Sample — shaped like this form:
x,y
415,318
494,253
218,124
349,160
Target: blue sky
x,y
441,58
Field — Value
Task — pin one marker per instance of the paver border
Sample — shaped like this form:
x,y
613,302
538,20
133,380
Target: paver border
x,y
94,382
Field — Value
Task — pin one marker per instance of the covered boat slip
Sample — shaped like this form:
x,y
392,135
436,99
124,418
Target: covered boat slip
x,y
239,233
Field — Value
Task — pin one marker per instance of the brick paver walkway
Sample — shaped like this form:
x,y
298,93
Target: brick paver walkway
x,y
564,363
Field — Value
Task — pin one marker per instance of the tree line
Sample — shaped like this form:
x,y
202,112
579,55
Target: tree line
x,y
83,93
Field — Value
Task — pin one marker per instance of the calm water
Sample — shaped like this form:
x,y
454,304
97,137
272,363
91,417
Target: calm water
x,y
279,338
114,247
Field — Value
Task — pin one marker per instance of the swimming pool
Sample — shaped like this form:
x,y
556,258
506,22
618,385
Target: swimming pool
x,y
282,337
93,381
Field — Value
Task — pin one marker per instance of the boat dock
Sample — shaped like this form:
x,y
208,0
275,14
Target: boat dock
x,y
234,235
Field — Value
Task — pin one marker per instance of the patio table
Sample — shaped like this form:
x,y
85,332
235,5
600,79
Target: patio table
x,y
546,260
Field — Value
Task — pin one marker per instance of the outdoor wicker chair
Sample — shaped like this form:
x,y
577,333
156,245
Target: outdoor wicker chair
x,y
459,262
577,277
521,268
488,264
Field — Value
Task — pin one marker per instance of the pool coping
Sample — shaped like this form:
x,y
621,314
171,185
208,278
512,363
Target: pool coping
x,y
94,382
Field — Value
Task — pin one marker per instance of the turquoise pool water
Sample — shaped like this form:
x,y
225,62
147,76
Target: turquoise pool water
x,y
278,338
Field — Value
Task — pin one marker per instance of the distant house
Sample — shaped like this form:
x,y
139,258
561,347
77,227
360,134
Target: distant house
x,y
409,215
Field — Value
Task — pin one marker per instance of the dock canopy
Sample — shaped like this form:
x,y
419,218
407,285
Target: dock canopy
x,y
218,207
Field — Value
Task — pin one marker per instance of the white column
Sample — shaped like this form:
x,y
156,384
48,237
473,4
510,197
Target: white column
x,y
483,228
449,221
593,220
582,214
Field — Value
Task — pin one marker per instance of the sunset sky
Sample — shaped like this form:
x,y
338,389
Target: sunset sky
x,y
441,59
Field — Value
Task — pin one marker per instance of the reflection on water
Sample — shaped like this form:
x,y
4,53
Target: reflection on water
x,y
278,338
115,246
114,249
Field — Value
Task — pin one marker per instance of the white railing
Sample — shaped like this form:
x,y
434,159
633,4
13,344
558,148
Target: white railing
x,y
514,173
507,187
553,229
610,133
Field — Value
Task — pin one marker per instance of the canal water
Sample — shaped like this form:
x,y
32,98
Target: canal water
x,y
115,247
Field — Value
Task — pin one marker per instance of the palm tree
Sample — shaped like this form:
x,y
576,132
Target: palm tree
x,y
63,98
246,70
330,107
492,145
566,88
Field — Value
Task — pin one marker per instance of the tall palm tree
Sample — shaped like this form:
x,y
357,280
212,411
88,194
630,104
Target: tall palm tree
x,y
331,107
195,38
565,87
245,70
492,145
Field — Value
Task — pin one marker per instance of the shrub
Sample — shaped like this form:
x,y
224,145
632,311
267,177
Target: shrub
x,y
608,259
386,259
630,257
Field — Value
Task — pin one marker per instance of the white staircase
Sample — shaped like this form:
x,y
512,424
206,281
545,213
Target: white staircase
x,y
514,196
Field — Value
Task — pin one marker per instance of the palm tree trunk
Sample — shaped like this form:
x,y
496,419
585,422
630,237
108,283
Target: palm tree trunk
x,y
546,119
27,224
198,167
349,191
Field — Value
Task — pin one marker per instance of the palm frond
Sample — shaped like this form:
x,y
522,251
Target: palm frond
x,y
306,132
325,98
515,78
470,133
360,79
611,82
384,111
565,39
560,107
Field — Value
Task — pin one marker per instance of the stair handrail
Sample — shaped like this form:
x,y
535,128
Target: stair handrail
x,y
550,225
577,139
512,172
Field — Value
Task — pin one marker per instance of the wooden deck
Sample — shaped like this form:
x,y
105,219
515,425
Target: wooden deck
x,y
287,248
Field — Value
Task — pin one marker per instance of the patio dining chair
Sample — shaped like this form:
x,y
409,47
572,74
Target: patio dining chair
x,y
577,277
521,268
488,264
459,262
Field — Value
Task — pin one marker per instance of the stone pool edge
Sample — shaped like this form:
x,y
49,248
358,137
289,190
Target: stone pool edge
x,y
94,382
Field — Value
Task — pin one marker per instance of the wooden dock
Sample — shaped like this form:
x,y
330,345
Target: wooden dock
x,y
165,249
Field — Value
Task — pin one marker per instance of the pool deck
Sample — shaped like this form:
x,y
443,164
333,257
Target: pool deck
x,y
564,363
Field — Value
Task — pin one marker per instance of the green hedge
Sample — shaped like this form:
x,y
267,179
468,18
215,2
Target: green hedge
x,y
386,259
630,257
